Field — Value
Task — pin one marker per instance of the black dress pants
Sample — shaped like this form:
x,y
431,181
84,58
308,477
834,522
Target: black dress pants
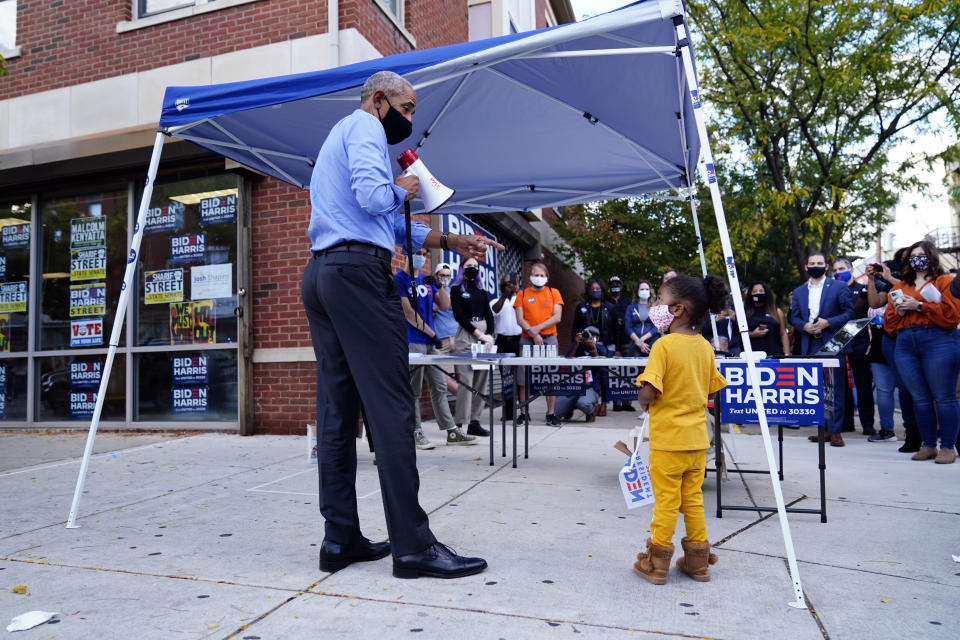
x,y
360,342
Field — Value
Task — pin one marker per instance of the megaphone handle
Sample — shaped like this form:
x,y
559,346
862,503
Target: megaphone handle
x,y
410,269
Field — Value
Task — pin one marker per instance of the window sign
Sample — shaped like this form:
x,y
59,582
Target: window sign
x,y
3,267
190,399
163,219
13,296
86,333
218,209
211,281
189,248
193,322
190,369
88,232
88,263
85,373
163,286
5,332
3,390
88,299
82,403
15,236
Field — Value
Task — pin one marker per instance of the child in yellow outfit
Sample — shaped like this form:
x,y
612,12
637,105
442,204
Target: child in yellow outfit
x,y
679,378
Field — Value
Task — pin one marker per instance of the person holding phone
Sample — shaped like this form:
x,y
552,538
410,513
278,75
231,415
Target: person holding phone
x,y
767,326
924,311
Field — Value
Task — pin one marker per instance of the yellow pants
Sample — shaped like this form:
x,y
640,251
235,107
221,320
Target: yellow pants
x,y
677,478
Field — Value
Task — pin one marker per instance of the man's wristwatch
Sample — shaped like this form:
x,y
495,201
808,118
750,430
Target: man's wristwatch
x,y
443,241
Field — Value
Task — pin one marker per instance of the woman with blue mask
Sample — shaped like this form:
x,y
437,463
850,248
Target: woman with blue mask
x,y
596,312
639,328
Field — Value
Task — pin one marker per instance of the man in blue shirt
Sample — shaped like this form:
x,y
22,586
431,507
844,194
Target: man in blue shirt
x,y
422,338
356,325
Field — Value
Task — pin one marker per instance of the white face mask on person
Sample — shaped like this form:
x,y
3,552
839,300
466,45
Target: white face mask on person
x,y
538,281
419,261
661,317
643,294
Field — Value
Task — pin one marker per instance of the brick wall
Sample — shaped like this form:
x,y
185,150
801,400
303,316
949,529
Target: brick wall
x,y
64,42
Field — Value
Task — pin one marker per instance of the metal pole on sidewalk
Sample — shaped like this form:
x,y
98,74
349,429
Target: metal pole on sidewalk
x,y
117,325
710,176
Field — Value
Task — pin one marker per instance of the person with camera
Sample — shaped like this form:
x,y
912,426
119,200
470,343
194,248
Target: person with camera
x,y
924,312
585,343
422,338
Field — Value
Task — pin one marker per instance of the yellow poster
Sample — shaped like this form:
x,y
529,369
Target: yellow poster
x,y
89,263
4,332
193,322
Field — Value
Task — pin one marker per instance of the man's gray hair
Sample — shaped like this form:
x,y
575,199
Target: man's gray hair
x,y
387,81
844,261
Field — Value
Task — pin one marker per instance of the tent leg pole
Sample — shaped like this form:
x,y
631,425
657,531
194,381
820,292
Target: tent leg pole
x,y
710,175
117,326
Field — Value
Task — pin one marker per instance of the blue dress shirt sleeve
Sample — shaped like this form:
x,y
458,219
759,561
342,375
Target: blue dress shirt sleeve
x,y
370,180
418,232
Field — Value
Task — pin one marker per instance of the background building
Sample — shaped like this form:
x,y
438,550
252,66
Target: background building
x,y
215,335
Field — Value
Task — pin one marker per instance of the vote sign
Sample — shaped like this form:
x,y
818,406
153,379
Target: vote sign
x,y
792,393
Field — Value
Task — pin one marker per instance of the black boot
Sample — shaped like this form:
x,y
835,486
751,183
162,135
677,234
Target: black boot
x,y
912,442
476,429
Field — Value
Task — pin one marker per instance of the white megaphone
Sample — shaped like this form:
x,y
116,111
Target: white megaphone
x,y
433,192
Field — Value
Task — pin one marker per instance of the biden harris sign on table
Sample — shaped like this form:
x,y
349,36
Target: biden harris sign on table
x,y
792,393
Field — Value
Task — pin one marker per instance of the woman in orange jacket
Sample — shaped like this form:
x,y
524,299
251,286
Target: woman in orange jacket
x,y
924,312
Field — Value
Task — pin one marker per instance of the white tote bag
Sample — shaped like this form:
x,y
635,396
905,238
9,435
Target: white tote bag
x,y
635,482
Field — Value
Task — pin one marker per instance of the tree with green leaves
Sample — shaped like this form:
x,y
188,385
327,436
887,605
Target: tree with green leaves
x,y
634,238
813,95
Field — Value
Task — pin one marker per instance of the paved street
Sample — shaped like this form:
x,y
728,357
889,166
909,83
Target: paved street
x,y
216,536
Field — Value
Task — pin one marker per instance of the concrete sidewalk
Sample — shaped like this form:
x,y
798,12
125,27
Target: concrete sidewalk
x,y
216,536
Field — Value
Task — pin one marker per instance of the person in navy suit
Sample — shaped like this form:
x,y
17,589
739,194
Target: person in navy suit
x,y
820,307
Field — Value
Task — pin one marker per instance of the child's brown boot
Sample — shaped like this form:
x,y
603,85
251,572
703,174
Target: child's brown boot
x,y
695,558
653,564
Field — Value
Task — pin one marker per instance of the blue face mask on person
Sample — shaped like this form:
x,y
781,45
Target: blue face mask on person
x,y
419,261
596,295
843,276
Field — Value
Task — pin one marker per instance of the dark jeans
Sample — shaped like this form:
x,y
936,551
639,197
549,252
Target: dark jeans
x,y
360,342
863,381
928,358
906,400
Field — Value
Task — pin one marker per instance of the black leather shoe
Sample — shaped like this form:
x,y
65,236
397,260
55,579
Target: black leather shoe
x,y
626,406
335,556
437,561
475,429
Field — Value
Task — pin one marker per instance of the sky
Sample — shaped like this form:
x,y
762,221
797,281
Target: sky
x,y
915,214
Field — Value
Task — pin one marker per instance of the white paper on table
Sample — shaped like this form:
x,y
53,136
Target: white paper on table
x,y
930,293
30,619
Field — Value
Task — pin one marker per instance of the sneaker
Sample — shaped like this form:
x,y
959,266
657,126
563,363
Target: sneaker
x,y
556,422
421,440
883,436
476,429
455,436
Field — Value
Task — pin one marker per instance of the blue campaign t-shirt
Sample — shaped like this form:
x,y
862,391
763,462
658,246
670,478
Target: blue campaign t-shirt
x,y
424,306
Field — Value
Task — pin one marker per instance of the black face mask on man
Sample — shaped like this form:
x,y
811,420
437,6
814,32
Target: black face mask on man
x,y
395,125
816,272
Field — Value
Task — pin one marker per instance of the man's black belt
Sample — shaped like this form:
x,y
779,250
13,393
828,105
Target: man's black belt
x,y
356,247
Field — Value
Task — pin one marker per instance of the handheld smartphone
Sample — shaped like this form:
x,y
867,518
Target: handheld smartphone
x,y
897,295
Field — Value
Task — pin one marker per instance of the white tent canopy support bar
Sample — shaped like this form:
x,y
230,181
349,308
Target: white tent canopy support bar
x,y
549,131
710,176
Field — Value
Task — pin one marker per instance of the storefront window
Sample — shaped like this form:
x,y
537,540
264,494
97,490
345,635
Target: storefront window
x,y
68,387
82,246
13,389
15,234
187,385
188,264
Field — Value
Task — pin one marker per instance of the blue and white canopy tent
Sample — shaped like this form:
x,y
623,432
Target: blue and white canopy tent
x,y
604,108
